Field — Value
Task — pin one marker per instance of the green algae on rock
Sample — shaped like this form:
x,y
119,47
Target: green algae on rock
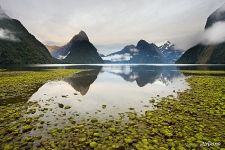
x,y
203,72
197,116
20,85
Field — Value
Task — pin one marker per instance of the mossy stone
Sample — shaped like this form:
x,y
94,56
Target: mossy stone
x,y
93,144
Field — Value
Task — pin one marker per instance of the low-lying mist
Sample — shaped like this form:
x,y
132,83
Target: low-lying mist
x,y
8,35
215,34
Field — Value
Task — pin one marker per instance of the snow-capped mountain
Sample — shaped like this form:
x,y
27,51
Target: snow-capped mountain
x,y
145,52
165,45
170,52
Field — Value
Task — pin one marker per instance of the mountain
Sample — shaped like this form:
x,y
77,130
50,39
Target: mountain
x,y
216,16
207,54
148,53
170,52
201,54
18,46
145,52
123,56
144,75
82,81
52,48
101,55
79,51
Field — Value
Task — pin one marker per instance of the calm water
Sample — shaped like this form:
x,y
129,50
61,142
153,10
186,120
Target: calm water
x,y
106,93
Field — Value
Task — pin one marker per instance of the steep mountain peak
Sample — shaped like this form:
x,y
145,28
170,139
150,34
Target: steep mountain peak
x,y
207,54
165,45
218,15
27,51
82,36
79,51
142,44
3,14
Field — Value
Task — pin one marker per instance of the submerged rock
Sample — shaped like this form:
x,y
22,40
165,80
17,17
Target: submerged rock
x,y
67,107
60,105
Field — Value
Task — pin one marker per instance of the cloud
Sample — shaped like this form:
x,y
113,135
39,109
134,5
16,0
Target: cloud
x,y
118,57
111,25
219,13
215,34
8,35
221,9
2,14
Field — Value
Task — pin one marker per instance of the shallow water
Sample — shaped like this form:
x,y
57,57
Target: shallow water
x,y
106,93
98,95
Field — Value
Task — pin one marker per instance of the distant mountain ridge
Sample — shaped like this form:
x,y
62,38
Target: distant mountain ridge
x,y
52,48
78,50
207,54
123,56
216,16
18,46
142,76
148,53
170,52
145,52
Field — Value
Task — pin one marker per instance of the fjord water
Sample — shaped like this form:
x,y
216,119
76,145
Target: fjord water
x,y
106,92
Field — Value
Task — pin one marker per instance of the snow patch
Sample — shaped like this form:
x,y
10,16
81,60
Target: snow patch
x,y
63,57
165,45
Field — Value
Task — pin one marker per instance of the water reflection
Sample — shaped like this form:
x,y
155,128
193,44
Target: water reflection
x,y
81,81
144,75
106,93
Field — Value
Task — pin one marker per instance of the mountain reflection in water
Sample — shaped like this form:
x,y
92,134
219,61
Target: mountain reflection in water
x,y
144,75
106,92
82,81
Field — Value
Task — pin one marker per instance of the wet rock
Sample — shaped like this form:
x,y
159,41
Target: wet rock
x,y
128,140
94,120
112,129
93,144
67,107
64,96
60,105
8,147
96,134
27,128
103,106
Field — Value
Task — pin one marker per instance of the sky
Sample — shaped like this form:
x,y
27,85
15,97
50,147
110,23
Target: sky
x,y
113,24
